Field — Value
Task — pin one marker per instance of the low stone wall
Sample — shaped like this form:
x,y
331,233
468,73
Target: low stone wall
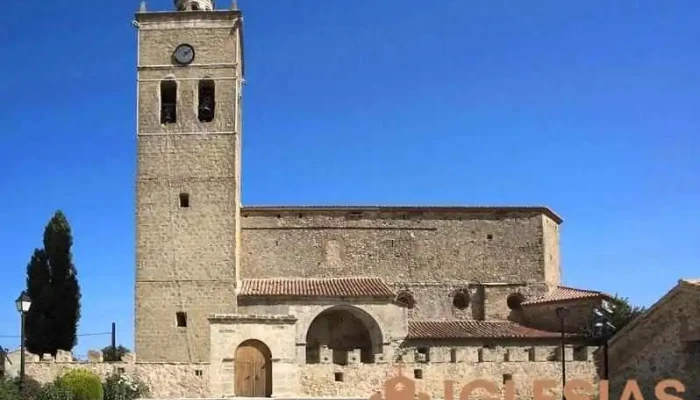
x,y
362,380
166,380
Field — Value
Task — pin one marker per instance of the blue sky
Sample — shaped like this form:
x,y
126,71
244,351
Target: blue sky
x,y
591,108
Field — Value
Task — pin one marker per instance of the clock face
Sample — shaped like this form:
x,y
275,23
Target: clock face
x,y
184,54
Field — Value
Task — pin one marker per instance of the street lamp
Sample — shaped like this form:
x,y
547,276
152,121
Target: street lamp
x,y
602,329
23,303
562,313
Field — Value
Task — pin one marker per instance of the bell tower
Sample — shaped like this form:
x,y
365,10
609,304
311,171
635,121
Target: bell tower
x,y
189,79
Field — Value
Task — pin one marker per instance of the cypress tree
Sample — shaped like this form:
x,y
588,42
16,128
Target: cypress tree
x,y
65,290
37,327
52,284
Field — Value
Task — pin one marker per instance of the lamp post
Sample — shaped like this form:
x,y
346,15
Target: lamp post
x,y
562,313
23,303
602,331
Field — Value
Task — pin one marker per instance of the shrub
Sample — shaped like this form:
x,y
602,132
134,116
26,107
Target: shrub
x,y
9,390
54,392
30,388
83,384
123,387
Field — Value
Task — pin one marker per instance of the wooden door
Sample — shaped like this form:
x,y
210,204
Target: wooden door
x,y
253,370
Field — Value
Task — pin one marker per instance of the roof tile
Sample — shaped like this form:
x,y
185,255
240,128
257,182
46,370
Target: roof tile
x,y
563,293
469,329
316,287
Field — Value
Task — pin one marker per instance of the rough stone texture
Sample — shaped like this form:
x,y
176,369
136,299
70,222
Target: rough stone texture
x,y
166,380
579,317
364,379
430,245
664,343
186,257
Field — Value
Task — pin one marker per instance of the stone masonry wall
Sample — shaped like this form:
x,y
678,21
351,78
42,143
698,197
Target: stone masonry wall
x,y
544,316
654,348
165,380
406,247
362,380
186,256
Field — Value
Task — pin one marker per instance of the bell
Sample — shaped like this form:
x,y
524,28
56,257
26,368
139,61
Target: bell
x,y
206,110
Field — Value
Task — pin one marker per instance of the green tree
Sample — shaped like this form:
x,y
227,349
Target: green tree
x,y
623,312
38,319
109,355
52,283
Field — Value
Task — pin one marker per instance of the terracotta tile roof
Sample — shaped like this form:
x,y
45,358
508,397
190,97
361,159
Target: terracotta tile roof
x,y
316,287
563,293
465,329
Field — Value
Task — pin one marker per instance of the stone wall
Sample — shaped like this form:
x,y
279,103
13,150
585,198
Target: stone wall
x,y
544,316
401,245
165,380
362,380
657,346
186,250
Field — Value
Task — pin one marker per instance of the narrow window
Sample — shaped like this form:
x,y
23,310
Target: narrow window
x,y
423,354
198,372
184,200
418,373
207,103
507,377
338,376
181,319
168,102
453,355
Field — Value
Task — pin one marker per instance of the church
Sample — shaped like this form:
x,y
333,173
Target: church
x,y
323,301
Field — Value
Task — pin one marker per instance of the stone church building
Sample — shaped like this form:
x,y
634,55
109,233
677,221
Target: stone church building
x,y
321,301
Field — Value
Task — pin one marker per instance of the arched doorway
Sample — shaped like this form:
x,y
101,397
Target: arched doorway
x,y
253,369
343,329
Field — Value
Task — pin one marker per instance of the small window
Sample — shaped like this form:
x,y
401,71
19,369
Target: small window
x,y
195,7
507,377
423,354
453,355
515,300
120,370
168,102
184,200
461,299
405,297
418,373
198,372
181,318
489,236
207,103
338,376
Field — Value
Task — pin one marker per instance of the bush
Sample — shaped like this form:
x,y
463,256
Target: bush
x,y
123,387
54,392
30,389
83,384
9,389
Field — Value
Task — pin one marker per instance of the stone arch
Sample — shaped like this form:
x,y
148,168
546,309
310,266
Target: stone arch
x,y
253,369
342,329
